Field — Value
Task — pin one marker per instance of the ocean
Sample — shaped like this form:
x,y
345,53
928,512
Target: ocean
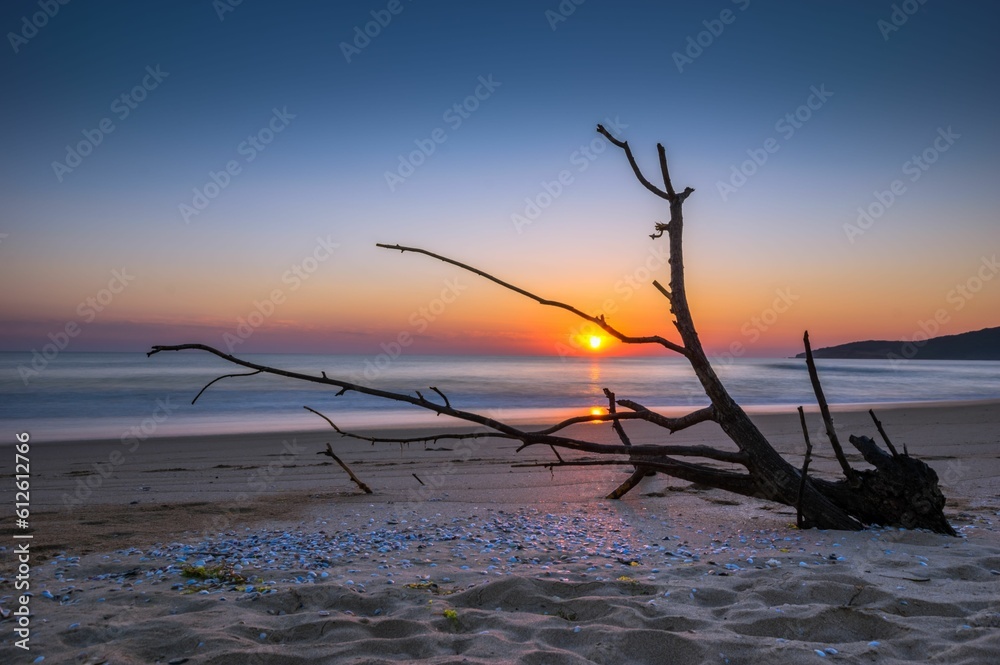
x,y
80,396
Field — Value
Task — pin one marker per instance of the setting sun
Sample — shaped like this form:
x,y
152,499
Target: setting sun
x,y
595,342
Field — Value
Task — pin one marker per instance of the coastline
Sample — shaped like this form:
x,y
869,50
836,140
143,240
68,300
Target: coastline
x,y
535,565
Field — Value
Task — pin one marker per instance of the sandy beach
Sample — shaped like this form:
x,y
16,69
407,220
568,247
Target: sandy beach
x,y
255,549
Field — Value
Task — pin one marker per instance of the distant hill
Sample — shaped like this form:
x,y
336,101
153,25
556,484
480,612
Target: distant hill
x,y
978,345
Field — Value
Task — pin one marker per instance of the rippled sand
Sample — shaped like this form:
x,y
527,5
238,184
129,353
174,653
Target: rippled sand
x,y
486,564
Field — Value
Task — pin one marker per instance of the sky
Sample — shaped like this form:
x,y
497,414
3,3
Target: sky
x,y
220,172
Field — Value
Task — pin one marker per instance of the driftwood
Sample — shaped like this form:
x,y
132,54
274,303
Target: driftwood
x,y
899,490
343,465
805,470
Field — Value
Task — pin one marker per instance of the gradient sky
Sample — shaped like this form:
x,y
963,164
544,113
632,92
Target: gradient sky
x,y
764,262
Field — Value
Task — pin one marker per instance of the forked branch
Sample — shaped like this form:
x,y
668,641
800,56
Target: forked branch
x,y
527,437
635,167
673,424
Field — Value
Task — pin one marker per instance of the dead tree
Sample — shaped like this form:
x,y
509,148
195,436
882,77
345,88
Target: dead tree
x,y
899,491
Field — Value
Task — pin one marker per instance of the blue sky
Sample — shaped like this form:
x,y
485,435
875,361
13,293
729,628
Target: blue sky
x,y
344,125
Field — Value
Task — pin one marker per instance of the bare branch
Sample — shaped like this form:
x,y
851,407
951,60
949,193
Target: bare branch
x,y
220,378
660,227
646,453
616,423
329,452
588,418
596,320
343,465
443,396
885,437
527,438
824,409
639,472
662,152
739,483
631,160
630,483
805,469
672,424
666,294
430,438
346,386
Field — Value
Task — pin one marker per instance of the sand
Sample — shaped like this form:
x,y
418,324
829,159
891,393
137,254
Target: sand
x,y
486,563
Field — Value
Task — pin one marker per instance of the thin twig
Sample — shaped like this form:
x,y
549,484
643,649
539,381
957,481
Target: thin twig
x,y
662,152
443,396
824,409
430,438
639,472
666,294
805,469
343,465
885,437
616,423
329,452
588,418
220,378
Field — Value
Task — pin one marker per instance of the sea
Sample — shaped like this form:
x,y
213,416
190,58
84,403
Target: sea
x,y
85,396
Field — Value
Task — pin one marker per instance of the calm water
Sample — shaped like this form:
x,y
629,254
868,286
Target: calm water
x,y
102,395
